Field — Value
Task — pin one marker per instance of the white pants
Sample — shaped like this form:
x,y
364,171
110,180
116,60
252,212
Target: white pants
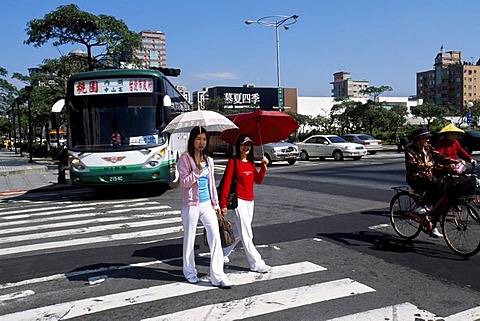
x,y
190,216
242,230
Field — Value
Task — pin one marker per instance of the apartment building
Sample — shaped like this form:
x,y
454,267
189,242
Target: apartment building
x,y
451,82
344,86
154,49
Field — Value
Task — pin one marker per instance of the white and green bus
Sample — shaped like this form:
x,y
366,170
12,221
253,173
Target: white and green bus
x,y
115,123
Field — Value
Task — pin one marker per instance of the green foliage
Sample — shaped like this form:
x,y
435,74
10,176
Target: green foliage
x,y
429,112
69,25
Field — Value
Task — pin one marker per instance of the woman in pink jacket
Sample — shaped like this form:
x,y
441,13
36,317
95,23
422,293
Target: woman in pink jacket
x,y
200,201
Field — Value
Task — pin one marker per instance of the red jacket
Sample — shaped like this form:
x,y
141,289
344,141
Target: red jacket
x,y
246,175
452,150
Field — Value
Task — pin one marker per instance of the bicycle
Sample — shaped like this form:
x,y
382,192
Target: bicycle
x,y
459,219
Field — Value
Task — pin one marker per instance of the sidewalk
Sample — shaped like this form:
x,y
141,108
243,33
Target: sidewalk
x,y
18,175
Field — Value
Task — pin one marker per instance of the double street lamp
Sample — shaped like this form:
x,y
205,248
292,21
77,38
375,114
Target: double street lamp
x,y
276,21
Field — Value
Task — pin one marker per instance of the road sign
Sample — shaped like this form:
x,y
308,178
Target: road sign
x,y
469,117
280,97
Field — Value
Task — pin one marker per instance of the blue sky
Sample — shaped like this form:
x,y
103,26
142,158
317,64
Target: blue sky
x,y
383,41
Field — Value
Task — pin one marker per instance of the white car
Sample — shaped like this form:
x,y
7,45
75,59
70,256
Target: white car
x,y
276,152
323,146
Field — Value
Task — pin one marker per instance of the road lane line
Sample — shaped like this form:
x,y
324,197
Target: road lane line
x,y
88,230
74,309
23,229
270,302
89,240
404,311
77,216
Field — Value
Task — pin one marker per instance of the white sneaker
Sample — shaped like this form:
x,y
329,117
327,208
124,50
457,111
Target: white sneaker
x,y
420,210
226,260
193,279
225,283
262,268
436,233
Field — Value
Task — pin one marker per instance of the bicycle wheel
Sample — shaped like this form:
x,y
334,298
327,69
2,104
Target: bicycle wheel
x,y
461,229
401,207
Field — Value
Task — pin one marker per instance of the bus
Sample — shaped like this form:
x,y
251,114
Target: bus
x,y
115,122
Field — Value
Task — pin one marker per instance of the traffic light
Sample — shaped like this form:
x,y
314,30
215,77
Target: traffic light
x,y
169,72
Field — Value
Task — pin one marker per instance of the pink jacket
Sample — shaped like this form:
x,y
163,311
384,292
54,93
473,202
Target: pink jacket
x,y
189,174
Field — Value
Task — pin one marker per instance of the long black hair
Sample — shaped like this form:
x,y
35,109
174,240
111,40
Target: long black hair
x,y
240,139
197,130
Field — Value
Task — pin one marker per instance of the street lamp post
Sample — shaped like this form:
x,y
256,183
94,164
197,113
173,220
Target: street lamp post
x,y
30,131
277,21
17,102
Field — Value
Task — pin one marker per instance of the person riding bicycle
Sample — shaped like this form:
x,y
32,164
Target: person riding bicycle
x,y
420,158
450,147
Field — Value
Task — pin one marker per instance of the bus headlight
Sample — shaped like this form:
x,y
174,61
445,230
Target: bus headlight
x,y
78,166
155,160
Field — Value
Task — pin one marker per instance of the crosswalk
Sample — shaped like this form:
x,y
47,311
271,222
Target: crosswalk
x,y
45,227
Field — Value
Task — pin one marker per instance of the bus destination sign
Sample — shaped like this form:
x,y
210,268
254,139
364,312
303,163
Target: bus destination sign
x,y
113,86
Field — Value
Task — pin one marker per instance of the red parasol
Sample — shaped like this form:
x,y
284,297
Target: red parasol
x,y
264,127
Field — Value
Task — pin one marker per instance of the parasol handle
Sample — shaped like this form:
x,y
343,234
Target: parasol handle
x,y
260,136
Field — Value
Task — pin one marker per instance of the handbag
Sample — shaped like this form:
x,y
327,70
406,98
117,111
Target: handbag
x,y
226,233
232,197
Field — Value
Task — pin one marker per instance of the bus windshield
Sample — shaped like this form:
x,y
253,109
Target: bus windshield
x,y
114,122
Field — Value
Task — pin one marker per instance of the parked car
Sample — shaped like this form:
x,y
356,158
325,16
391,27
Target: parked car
x,y
323,146
372,145
276,152
470,140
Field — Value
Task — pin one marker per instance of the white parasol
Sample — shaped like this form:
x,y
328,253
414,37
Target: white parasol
x,y
210,120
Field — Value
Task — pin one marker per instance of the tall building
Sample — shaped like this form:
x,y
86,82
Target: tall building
x,y
451,82
154,49
344,86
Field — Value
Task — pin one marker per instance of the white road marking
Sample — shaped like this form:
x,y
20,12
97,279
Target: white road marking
x,y
16,295
97,220
73,309
404,311
74,217
89,240
88,230
270,302
83,272
378,227
408,311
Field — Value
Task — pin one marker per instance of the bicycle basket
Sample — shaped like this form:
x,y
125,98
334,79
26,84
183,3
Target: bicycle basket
x,y
463,185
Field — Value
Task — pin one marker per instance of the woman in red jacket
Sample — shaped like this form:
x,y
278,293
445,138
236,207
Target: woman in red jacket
x,y
246,174
450,147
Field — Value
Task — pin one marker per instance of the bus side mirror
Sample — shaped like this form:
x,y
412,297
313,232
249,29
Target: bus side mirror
x,y
167,101
164,113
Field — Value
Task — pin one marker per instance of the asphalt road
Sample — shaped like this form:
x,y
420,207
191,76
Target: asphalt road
x,y
322,226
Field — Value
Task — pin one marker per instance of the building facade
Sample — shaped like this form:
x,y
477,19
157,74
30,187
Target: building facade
x,y
344,86
154,52
451,82
249,96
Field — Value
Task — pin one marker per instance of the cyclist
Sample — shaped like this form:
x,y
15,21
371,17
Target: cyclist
x,y
450,146
420,157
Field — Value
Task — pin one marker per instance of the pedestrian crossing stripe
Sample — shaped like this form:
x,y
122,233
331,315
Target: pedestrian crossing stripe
x,y
88,229
270,302
407,311
74,309
89,240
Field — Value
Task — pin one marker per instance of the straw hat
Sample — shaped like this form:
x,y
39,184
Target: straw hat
x,y
451,128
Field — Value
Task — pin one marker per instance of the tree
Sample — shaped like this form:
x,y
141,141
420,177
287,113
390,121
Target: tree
x,y
375,92
429,112
69,25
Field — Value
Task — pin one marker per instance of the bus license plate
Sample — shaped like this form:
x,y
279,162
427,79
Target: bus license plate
x,y
115,178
